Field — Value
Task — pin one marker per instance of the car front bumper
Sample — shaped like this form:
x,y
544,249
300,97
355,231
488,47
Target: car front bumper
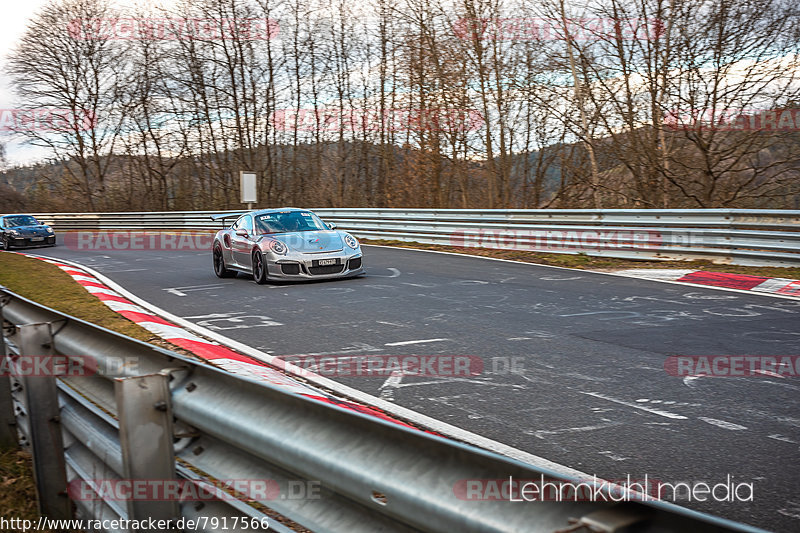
x,y
297,269
27,241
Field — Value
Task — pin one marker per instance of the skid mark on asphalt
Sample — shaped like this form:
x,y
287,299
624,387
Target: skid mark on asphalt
x,y
613,456
792,511
456,402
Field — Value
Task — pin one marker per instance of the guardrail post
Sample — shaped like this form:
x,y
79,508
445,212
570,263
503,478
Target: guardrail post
x,y
8,422
144,408
47,445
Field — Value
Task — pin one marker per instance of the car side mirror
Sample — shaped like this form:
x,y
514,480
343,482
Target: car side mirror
x,y
331,225
241,232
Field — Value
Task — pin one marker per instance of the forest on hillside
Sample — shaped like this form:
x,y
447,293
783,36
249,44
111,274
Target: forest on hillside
x,y
417,103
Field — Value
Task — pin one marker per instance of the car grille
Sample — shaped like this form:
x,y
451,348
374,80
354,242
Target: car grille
x,y
329,269
290,268
355,264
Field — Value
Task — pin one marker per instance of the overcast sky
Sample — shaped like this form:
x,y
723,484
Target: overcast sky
x,y
12,25
14,19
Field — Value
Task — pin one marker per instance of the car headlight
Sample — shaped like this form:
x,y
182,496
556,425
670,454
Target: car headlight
x,y
351,241
49,229
13,232
278,247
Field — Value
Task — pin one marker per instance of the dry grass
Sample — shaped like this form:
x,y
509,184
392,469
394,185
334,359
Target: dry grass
x,y
17,490
48,285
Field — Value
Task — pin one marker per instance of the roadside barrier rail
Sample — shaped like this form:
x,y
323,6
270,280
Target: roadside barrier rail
x,y
737,236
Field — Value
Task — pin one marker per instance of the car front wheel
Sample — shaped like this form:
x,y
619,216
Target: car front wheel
x,y
259,268
5,244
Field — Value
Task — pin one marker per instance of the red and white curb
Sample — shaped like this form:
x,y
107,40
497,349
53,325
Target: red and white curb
x,y
218,355
742,282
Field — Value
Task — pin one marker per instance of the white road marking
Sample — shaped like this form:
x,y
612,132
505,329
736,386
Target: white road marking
x,y
421,341
389,386
176,292
540,334
768,373
239,322
781,438
623,314
689,381
658,412
394,274
214,315
181,291
722,424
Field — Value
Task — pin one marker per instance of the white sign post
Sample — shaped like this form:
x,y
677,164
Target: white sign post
x,y
248,188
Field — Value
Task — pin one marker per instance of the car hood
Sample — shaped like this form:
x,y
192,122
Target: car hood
x,y
311,241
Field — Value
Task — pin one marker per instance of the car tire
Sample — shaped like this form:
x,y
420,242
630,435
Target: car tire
x,y
219,264
5,244
259,268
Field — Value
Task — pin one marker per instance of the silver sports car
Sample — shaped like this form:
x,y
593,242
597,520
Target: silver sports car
x,y
284,244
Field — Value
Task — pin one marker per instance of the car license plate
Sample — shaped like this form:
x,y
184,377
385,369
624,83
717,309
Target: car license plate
x,y
34,239
326,262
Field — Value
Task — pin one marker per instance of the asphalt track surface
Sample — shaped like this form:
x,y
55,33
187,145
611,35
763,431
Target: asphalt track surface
x,y
588,388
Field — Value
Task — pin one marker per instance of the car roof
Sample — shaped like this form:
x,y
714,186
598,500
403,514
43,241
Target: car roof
x,y
277,210
16,215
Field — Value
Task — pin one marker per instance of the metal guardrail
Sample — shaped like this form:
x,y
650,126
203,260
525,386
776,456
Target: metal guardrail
x,y
162,416
738,236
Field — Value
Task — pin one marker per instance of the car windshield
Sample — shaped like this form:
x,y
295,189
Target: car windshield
x,y
288,221
21,220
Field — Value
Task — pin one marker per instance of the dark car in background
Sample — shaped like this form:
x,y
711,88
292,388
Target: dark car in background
x,y
24,230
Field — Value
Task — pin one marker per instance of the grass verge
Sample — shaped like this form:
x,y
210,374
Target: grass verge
x,y
17,490
603,264
48,285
